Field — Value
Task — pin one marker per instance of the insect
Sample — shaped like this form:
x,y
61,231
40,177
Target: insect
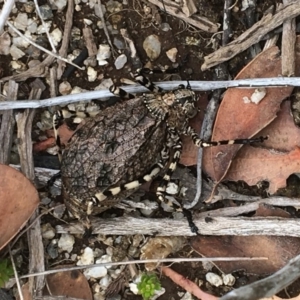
x,y
126,145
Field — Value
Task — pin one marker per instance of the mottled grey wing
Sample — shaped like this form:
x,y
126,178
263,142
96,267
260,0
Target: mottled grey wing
x,y
119,145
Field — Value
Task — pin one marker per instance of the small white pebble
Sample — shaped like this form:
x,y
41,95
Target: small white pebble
x,y
87,257
92,74
214,279
66,242
56,36
65,88
105,281
87,22
258,95
48,231
96,272
228,279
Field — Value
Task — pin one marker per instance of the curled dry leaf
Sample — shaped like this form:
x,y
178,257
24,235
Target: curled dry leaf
x,y
69,284
160,247
18,201
237,119
279,251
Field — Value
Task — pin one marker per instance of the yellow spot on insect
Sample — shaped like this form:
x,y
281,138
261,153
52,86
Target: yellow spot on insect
x,y
100,196
131,185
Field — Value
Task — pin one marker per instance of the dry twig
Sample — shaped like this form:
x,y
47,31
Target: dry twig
x,y
252,35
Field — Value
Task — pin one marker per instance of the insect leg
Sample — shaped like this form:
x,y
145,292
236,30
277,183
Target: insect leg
x,y
120,93
136,183
201,143
144,81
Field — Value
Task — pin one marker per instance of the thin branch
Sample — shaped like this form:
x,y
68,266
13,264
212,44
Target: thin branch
x,y
16,274
269,286
4,13
144,261
40,47
166,85
44,25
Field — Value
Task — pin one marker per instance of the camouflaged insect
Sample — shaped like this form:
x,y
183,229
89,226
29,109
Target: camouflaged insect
x,y
128,144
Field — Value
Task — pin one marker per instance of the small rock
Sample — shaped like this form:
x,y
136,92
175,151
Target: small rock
x,y
87,22
104,282
105,84
45,200
152,46
228,279
77,7
56,36
99,296
120,61
5,42
21,21
92,74
214,279
119,43
187,296
150,207
96,272
172,188
66,242
65,88
32,26
46,12
103,54
33,63
165,26
16,53
104,259
29,7
42,29
17,65
258,95
90,62
60,210
48,232
87,257
58,4
20,42
113,6
52,249
172,53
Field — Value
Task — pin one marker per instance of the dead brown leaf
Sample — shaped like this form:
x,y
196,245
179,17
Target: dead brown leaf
x,y
69,284
279,250
18,201
277,161
237,119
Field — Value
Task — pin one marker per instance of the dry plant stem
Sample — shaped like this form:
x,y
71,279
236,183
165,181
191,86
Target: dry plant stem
x,y
252,35
53,82
144,261
16,274
44,25
56,298
170,227
226,22
269,286
174,9
167,85
66,39
104,26
40,47
36,249
288,46
89,41
4,13
7,126
207,128
250,207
